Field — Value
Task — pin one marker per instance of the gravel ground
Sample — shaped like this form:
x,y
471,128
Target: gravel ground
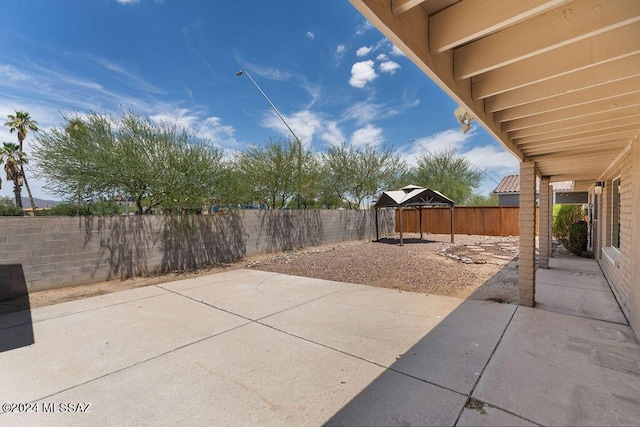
x,y
479,267
476,267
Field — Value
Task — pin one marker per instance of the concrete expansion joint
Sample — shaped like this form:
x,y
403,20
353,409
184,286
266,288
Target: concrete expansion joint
x,y
157,356
484,368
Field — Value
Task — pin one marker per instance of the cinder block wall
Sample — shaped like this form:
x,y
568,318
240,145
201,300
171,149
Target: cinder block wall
x,y
51,252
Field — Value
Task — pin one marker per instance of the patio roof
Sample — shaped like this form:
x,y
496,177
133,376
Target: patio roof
x,y
555,81
412,195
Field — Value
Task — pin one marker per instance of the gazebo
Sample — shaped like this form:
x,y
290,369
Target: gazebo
x,y
413,196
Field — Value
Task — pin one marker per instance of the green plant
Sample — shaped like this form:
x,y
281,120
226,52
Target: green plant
x,y
578,237
8,208
65,209
566,228
104,208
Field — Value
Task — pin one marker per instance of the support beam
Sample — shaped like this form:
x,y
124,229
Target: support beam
x,y
559,27
593,109
610,46
472,19
575,122
609,72
527,253
583,97
544,235
589,129
401,6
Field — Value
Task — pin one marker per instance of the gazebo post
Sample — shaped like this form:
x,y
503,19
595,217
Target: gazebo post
x,y
400,220
420,213
452,208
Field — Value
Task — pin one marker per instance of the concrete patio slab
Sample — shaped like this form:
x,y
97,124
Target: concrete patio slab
x,y
573,279
326,352
487,415
76,348
252,375
394,399
228,277
454,353
575,264
375,324
594,304
557,369
86,304
254,294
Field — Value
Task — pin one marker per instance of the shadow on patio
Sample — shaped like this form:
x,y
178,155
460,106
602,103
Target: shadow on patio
x,y
573,360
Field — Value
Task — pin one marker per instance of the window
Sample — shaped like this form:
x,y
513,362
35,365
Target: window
x,y
615,213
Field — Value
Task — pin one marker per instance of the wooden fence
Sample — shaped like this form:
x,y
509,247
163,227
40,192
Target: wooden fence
x,y
481,220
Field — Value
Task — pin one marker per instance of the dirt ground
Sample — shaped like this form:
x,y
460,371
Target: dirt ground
x,y
477,267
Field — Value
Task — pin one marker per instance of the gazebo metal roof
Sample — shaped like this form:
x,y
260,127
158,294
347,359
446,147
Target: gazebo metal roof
x,y
412,195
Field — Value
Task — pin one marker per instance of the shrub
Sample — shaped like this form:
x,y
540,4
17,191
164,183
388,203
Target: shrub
x,y
64,209
578,237
104,208
8,208
569,228
101,208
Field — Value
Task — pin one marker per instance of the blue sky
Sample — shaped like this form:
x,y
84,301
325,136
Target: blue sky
x,y
333,76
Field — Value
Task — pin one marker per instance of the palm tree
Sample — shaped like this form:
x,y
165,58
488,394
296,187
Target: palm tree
x,y
22,123
14,159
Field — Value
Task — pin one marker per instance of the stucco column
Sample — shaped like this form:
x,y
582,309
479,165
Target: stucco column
x,y
544,235
527,256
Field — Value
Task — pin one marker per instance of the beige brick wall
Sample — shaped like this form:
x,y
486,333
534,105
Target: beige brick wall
x,y
51,252
527,257
624,278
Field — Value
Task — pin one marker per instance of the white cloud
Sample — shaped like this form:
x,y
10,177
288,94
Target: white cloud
x,y
331,134
493,157
369,111
382,57
127,1
310,35
364,112
367,135
389,67
396,52
221,135
340,50
363,28
270,73
363,51
362,73
304,124
180,116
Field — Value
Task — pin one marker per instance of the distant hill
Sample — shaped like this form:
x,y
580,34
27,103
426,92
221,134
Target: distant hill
x,y
40,203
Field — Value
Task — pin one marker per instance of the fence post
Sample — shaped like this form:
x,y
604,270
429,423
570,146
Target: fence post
x,y
452,208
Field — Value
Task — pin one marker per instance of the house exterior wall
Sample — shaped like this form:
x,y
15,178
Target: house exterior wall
x,y
622,267
51,252
508,199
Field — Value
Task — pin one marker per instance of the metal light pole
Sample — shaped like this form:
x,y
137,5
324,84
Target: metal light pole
x,y
298,141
